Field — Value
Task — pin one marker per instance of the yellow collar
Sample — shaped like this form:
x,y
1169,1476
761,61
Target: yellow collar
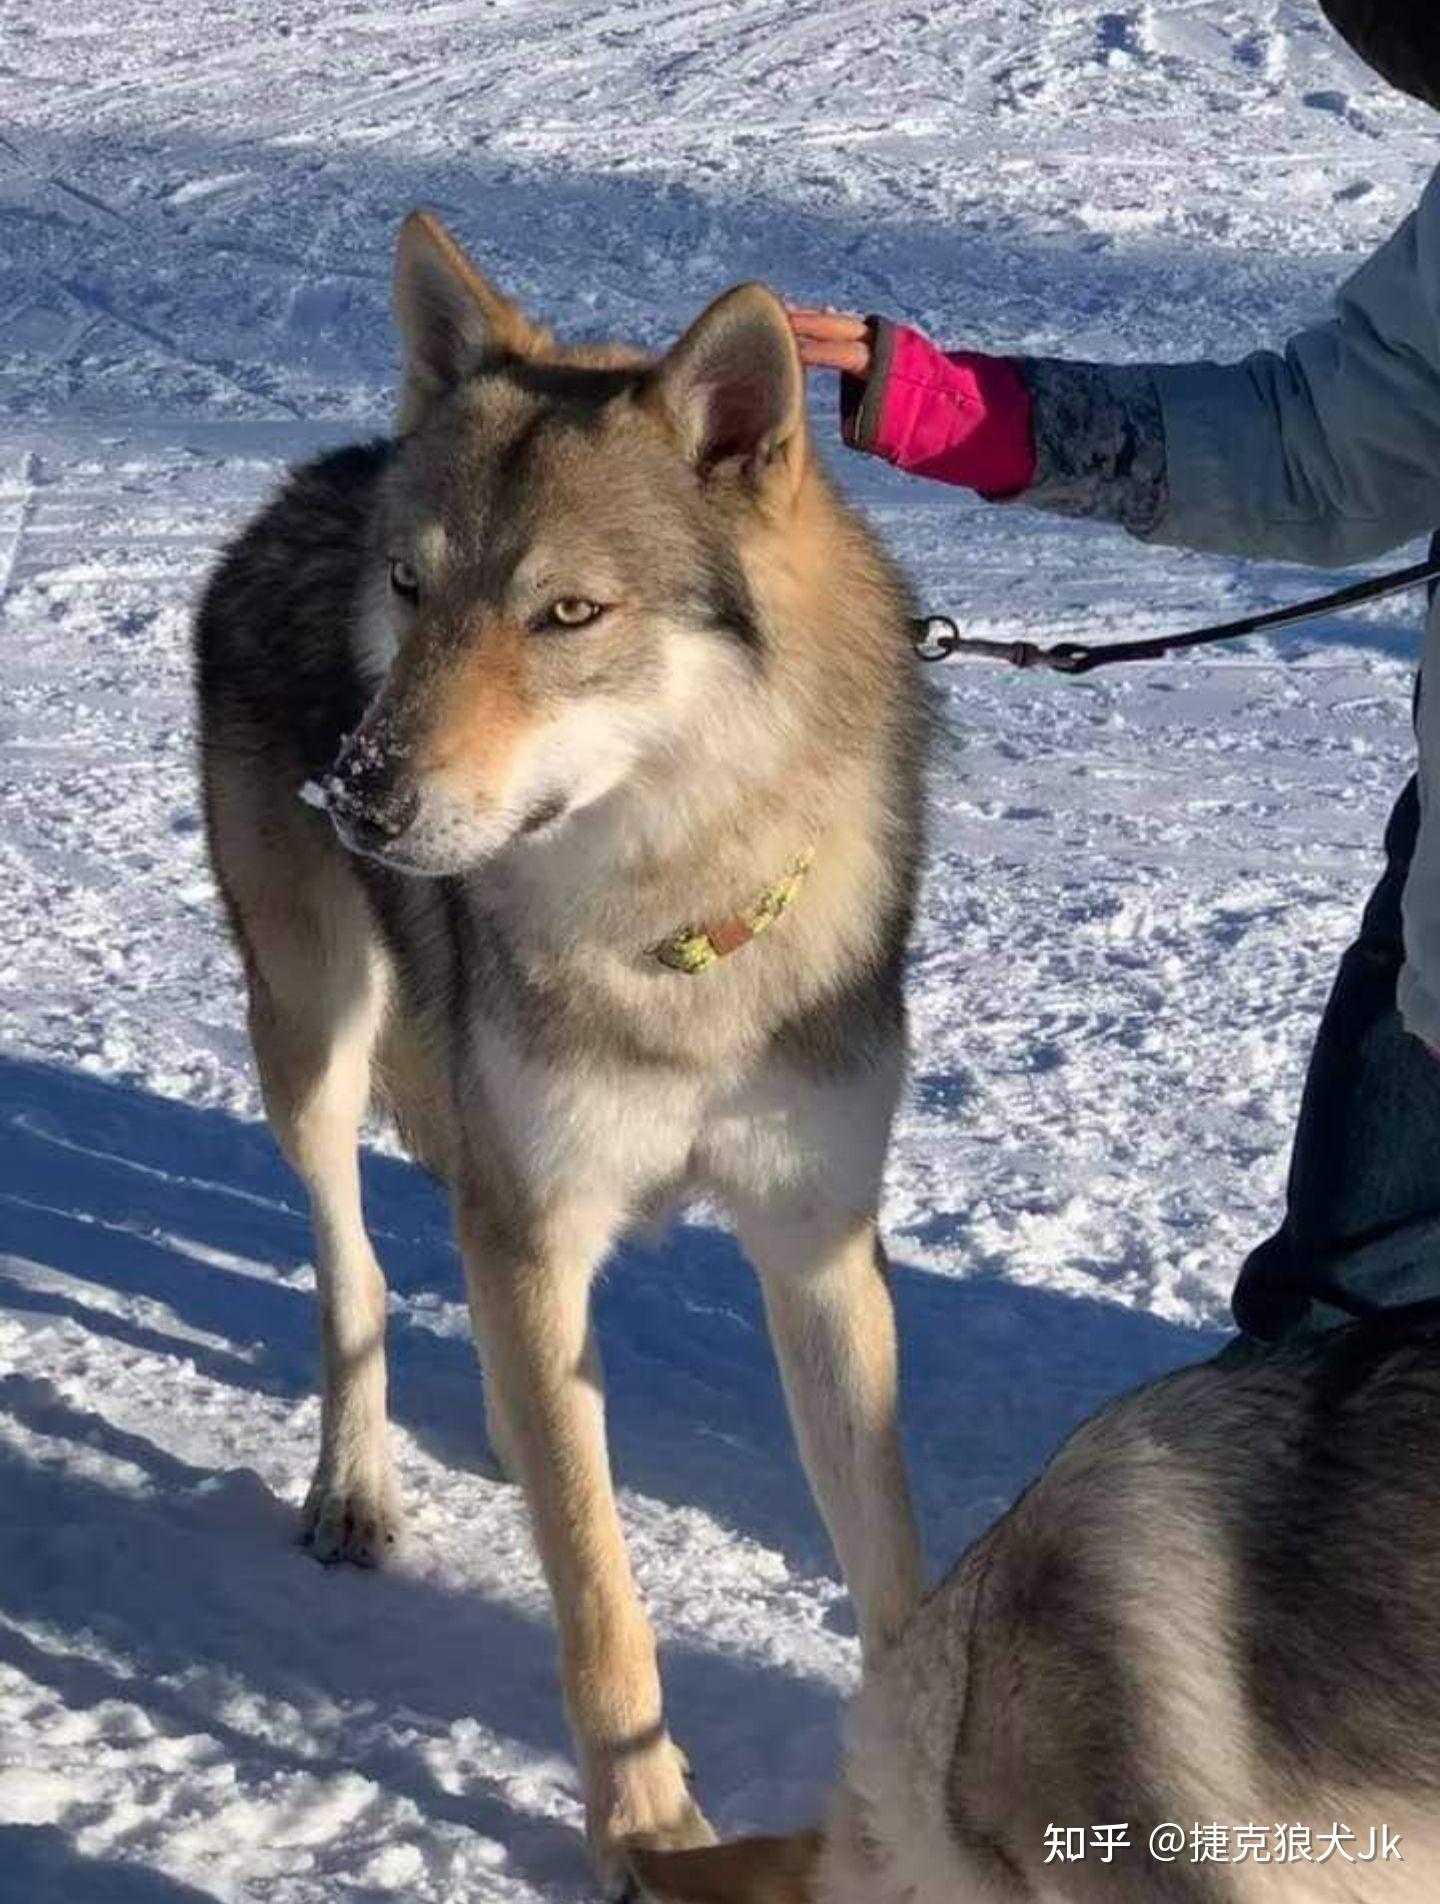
x,y
696,948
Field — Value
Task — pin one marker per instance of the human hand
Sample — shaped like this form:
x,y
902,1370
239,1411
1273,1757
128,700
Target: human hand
x,y
833,340
955,416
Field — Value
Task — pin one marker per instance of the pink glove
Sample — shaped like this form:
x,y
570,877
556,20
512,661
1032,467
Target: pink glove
x,y
959,418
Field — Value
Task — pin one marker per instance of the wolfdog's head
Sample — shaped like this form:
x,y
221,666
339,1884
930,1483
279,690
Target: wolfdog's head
x,y
558,590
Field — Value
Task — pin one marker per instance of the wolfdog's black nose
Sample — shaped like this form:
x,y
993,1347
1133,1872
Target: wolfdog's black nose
x,y
372,825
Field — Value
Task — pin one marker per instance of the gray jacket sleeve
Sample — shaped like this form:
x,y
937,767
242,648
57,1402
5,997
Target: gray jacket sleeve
x,y
1325,453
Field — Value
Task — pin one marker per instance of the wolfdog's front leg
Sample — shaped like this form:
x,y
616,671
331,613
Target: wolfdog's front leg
x,y
827,1297
530,1299
313,1024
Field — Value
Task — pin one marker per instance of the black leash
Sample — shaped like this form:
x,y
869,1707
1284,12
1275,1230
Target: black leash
x,y
938,637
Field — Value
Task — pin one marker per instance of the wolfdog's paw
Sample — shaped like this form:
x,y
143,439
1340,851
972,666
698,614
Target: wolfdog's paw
x,y
358,1523
650,1809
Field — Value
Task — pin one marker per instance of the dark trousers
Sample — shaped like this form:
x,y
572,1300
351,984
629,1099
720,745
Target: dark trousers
x,y
1362,1216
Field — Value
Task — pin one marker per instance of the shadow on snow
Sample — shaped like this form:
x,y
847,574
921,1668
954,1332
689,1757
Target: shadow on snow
x,y
107,1192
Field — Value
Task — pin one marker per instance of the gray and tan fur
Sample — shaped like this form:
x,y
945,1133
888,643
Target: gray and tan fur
x,y
1220,1604
590,653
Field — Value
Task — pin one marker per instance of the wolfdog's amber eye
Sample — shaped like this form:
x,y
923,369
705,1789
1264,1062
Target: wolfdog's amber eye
x,y
404,580
573,611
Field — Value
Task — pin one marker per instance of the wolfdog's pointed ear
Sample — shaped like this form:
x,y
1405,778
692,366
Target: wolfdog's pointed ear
x,y
750,1871
735,389
450,317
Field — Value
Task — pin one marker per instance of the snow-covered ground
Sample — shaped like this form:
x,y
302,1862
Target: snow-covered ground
x,y
1139,885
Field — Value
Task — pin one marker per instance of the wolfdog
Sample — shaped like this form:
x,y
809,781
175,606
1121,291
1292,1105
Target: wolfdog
x,y
1211,1628
607,700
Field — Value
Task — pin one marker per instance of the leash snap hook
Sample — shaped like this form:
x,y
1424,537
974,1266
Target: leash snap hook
x,y
937,637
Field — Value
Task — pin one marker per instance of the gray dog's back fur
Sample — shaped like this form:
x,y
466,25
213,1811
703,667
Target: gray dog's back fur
x,y
1219,1605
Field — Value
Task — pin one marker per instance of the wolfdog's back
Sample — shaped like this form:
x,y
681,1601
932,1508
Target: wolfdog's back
x,y
274,655
1219,1607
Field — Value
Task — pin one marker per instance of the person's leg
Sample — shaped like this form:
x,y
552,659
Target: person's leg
x,y
1362,1219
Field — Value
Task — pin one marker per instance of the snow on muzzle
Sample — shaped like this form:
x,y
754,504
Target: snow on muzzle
x,y
371,798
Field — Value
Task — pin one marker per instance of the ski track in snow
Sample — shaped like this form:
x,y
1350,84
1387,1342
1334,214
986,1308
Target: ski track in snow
x,y
1139,884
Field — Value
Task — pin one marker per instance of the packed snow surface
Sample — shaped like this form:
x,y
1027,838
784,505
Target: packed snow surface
x,y
1139,883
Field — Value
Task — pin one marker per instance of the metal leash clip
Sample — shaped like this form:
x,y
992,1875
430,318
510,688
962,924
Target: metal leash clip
x,y
936,637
